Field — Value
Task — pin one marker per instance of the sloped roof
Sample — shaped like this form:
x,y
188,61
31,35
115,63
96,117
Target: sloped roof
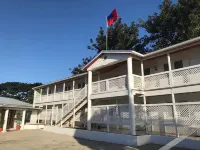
x,y
11,102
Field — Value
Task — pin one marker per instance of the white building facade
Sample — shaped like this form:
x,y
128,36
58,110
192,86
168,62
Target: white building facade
x,y
129,93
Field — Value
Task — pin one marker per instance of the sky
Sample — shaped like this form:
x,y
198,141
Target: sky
x,y
40,40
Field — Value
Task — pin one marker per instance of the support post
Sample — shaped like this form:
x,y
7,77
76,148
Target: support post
x,y
52,115
5,120
108,119
73,124
172,93
54,93
61,122
131,95
45,121
144,97
63,96
89,100
47,93
41,95
23,119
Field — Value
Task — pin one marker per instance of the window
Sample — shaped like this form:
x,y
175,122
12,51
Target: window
x,y
67,88
166,67
79,86
178,64
147,71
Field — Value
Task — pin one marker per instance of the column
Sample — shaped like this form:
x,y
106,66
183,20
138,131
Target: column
x,y
47,93
73,124
52,115
5,120
144,97
172,93
23,119
41,95
54,92
63,90
61,122
131,95
45,121
89,100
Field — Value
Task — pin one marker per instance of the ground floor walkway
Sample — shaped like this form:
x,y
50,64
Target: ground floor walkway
x,y
38,140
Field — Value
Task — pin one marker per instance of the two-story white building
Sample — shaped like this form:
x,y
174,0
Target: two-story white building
x,y
129,93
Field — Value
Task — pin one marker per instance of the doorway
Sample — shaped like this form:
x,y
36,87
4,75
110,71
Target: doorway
x,y
11,119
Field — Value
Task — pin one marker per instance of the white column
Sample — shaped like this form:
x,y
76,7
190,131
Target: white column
x,y
107,111
172,93
5,120
61,122
73,124
131,95
89,100
23,119
41,95
34,96
45,121
52,115
54,92
47,93
63,91
38,116
144,97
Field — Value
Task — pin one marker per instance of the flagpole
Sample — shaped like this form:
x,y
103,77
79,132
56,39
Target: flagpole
x,y
106,34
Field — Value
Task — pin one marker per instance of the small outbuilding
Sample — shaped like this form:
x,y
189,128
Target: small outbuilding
x,y
14,113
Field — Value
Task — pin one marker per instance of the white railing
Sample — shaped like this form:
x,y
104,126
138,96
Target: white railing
x,y
110,114
58,96
78,98
68,94
112,84
137,81
50,97
37,99
158,80
187,75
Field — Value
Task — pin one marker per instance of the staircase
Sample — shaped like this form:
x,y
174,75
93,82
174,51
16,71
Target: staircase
x,y
80,102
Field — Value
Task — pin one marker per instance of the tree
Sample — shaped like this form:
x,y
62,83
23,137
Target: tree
x,y
175,23
120,37
18,90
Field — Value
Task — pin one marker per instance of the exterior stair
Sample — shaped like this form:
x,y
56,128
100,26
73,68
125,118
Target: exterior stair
x,y
80,102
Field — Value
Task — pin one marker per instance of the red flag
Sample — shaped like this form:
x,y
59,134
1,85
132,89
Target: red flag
x,y
112,17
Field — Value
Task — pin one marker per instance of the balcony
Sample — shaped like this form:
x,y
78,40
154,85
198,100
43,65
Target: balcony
x,y
180,77
60,96
115,84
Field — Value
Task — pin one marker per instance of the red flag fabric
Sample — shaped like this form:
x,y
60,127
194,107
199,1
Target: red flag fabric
x,y
112,17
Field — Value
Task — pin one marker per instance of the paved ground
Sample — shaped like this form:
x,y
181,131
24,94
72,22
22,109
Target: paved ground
x,y
41,140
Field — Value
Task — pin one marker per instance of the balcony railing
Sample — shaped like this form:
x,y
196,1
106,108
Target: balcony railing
x,y
108,85
158,80
187,75
180,77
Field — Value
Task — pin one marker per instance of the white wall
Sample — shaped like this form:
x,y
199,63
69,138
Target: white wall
x,y
33,116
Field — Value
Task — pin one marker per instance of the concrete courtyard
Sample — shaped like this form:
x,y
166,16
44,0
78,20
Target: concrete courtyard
x,y
41,140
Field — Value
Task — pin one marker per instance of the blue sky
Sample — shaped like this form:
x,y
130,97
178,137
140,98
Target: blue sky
x,y
41,39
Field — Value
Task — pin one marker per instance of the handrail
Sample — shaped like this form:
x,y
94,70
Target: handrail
x,y
80,97
156,74
180,69
109,79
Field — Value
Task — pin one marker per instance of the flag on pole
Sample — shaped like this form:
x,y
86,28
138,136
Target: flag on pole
x,y
112,17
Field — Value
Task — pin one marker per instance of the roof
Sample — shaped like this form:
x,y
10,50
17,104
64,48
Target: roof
x,y
11,102
179,46
72,77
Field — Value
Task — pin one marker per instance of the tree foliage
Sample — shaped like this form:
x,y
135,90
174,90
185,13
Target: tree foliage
x,y
120,37
175,23
18,90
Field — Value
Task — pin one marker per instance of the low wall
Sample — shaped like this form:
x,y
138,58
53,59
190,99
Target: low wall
x,y
33,126
101,136
124,139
